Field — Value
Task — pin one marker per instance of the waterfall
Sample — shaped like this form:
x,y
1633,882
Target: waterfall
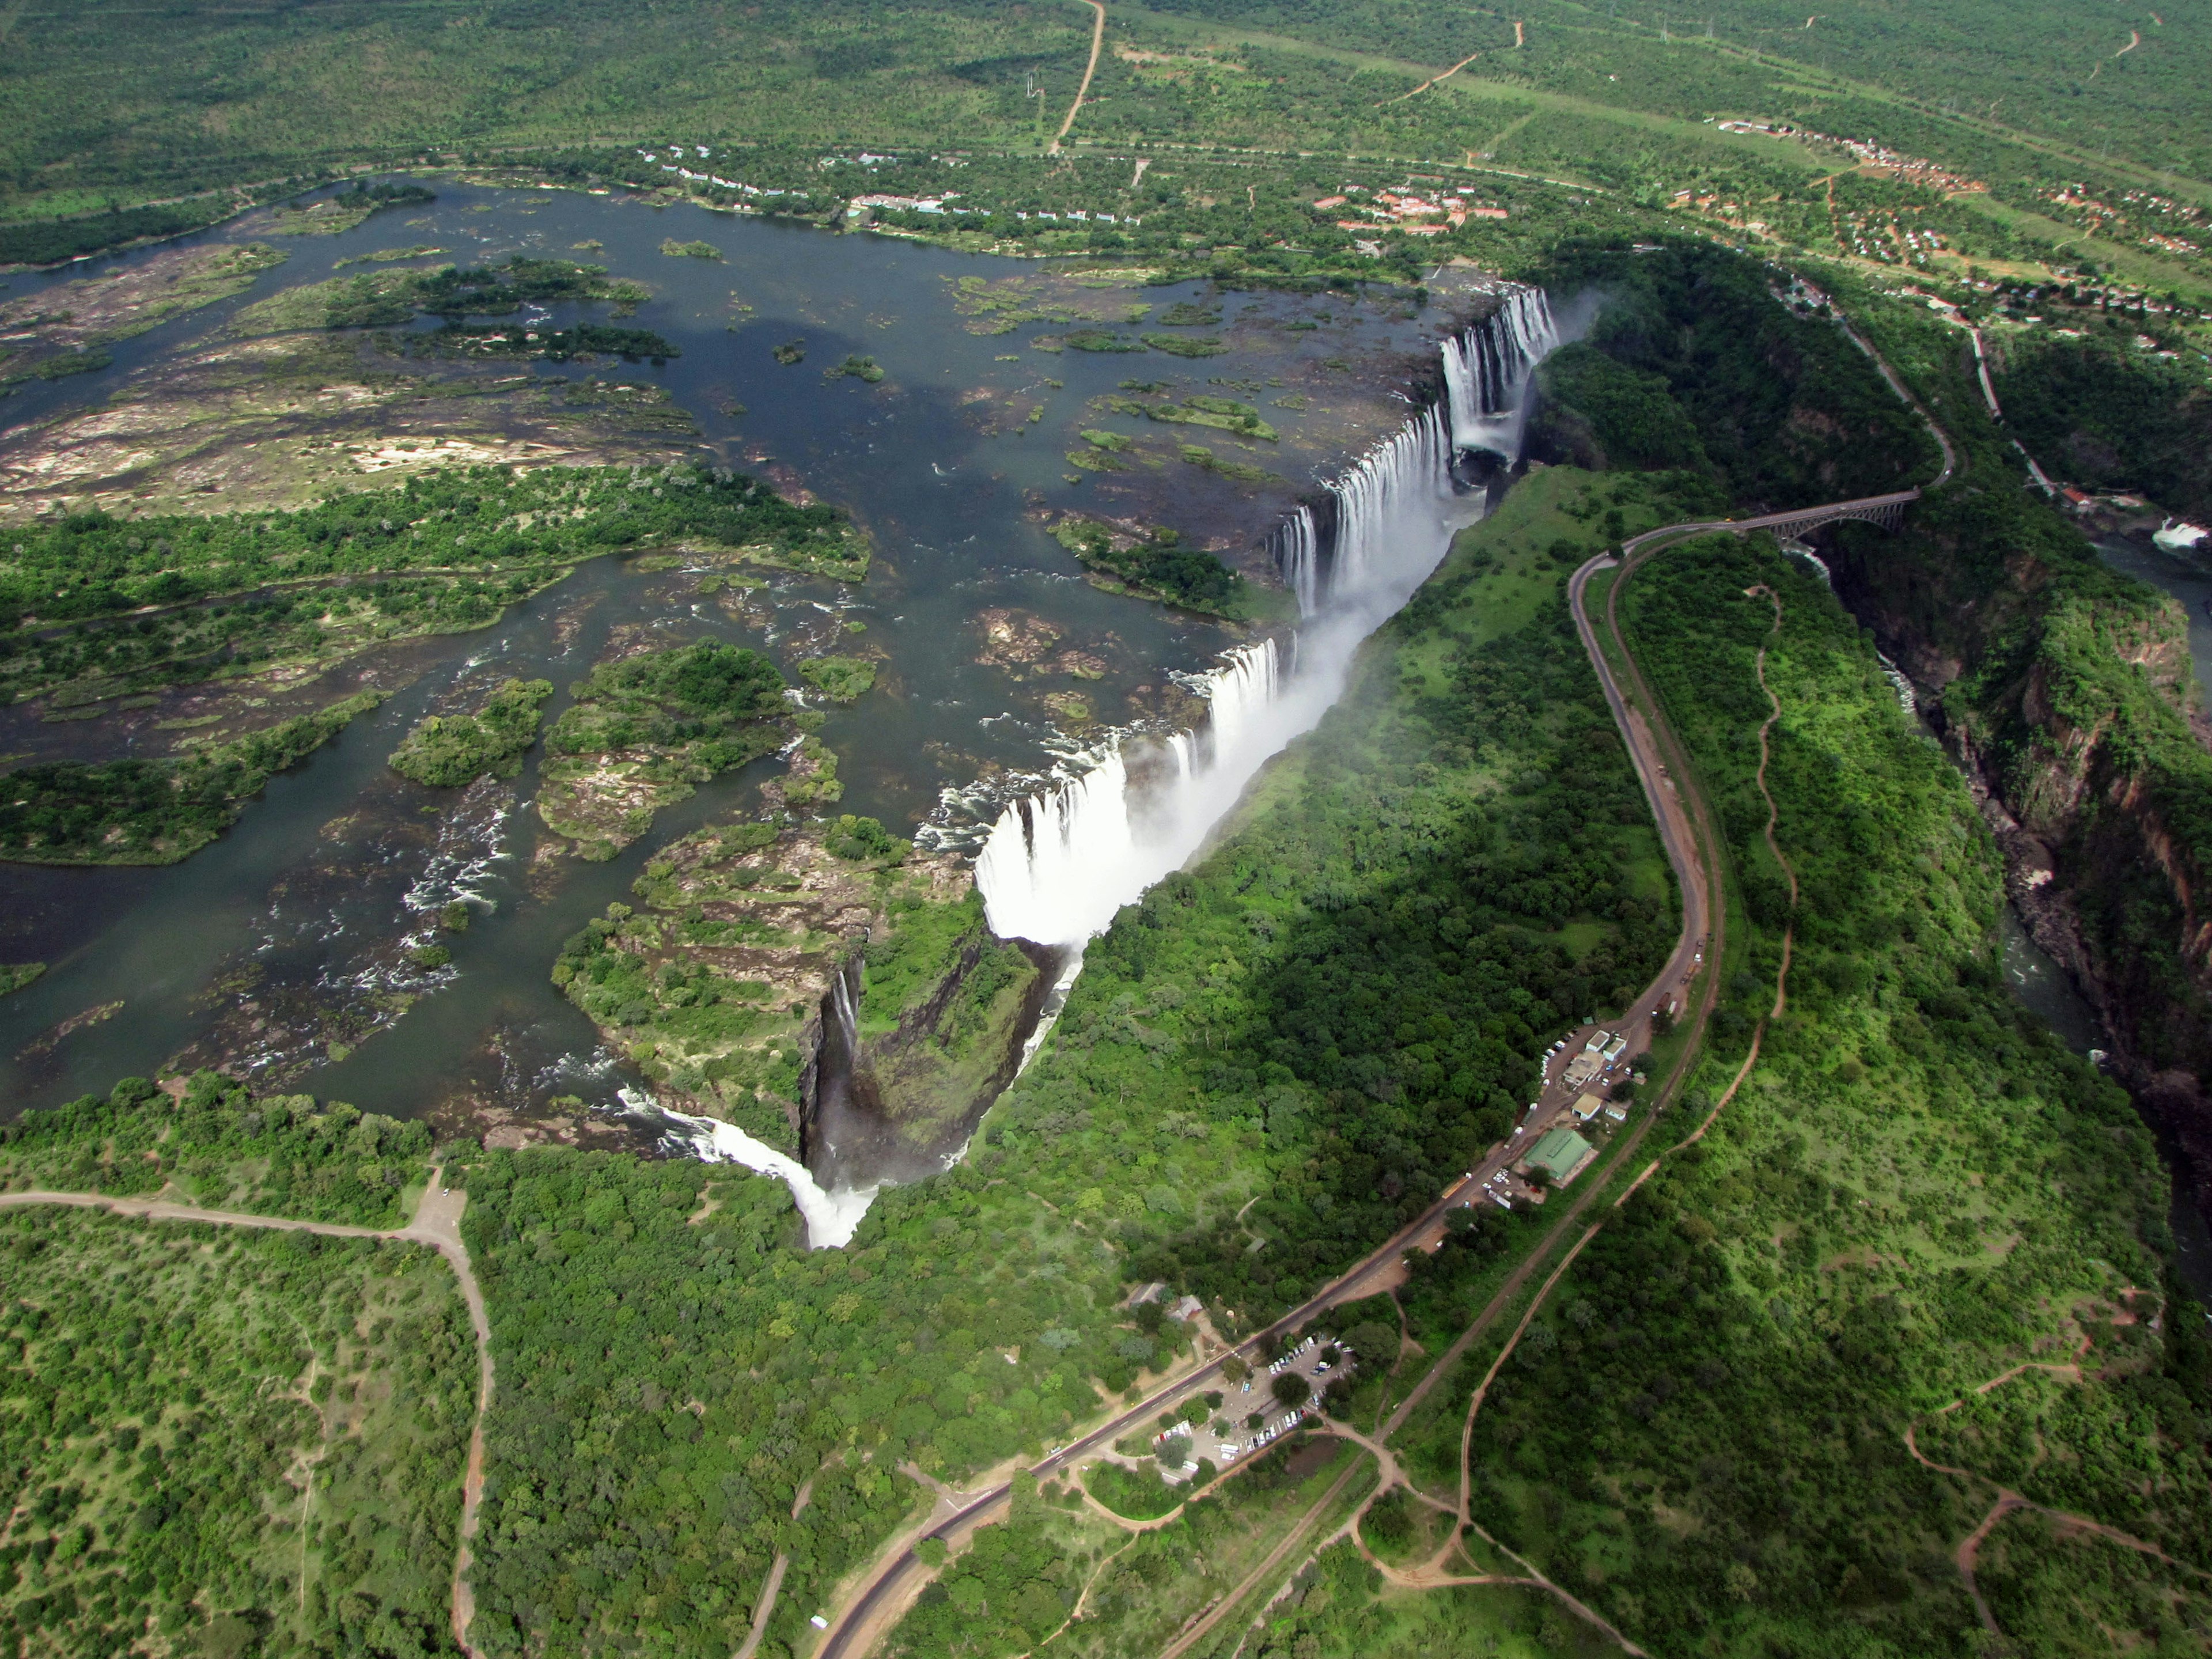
x,y
1393,482
1487,369
1296,545
831,1217
1060,863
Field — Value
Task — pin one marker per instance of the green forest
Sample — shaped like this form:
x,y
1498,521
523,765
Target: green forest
x,y
147,812
227,1441
450,750
1917,1187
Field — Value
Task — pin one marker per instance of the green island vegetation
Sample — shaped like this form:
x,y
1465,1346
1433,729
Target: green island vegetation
x,y
1224,414
225,1440
385,299
228,594
1158,566
856,367
560,345
15,975
840,679
450,750
677,250
1186,345
212,1145
65,331
643,731
347,208
716,986
151,812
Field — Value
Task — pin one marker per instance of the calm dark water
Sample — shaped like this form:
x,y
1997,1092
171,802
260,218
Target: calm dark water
x,y
283,949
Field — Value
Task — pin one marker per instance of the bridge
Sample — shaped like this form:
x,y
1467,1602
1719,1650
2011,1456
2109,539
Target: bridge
x,y
1887,511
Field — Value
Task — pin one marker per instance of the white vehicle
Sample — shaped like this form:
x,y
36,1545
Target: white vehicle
x,y
1321,1368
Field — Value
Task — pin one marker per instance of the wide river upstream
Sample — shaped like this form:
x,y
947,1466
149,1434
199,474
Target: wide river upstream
x,y
282,950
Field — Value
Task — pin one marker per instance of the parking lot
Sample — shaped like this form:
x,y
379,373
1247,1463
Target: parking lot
x,y
1316,1360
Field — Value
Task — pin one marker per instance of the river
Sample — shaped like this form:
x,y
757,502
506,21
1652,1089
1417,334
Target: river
x,y
283,948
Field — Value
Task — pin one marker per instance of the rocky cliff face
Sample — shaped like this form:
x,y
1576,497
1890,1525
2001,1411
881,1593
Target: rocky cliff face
x,y
2066,695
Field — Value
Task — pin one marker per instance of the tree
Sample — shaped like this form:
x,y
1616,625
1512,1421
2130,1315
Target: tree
x,y
1292,1388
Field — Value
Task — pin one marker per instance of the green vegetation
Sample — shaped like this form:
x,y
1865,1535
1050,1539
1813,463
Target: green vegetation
x,y
141,812
2106,414
385,299
14,975
225,1441
840,679
1198,455
1872,1228
858,368
1690,363
1186,345
450,750
490,534
1159,566
675,249
1134,1494
644,730
217,1146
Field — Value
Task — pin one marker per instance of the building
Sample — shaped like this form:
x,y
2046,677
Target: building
x,y
1560,1154
1587,1107
1582,1068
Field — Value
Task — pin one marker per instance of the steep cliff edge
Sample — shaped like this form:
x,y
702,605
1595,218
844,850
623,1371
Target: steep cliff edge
x,y
2065,690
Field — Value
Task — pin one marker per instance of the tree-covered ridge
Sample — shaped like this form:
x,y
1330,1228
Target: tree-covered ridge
x,y
224,1441
87,565
220,1148
1690,363
451,751
2104,413
1917,1190
144,811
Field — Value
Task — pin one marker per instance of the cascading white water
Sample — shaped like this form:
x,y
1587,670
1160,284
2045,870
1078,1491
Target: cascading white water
x,y
1398,477
1297,558
1486,372
831,1217
1058,864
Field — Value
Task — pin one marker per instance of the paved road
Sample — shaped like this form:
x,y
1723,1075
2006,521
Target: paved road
x,y
869,1614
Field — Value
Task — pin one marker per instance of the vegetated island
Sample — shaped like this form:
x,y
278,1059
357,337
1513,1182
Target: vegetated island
x,y
100,609
154,811
451,751
643,731
1156,564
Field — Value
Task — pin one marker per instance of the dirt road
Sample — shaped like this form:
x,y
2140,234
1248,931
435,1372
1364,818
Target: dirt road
x,y
1097,39
436,1223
